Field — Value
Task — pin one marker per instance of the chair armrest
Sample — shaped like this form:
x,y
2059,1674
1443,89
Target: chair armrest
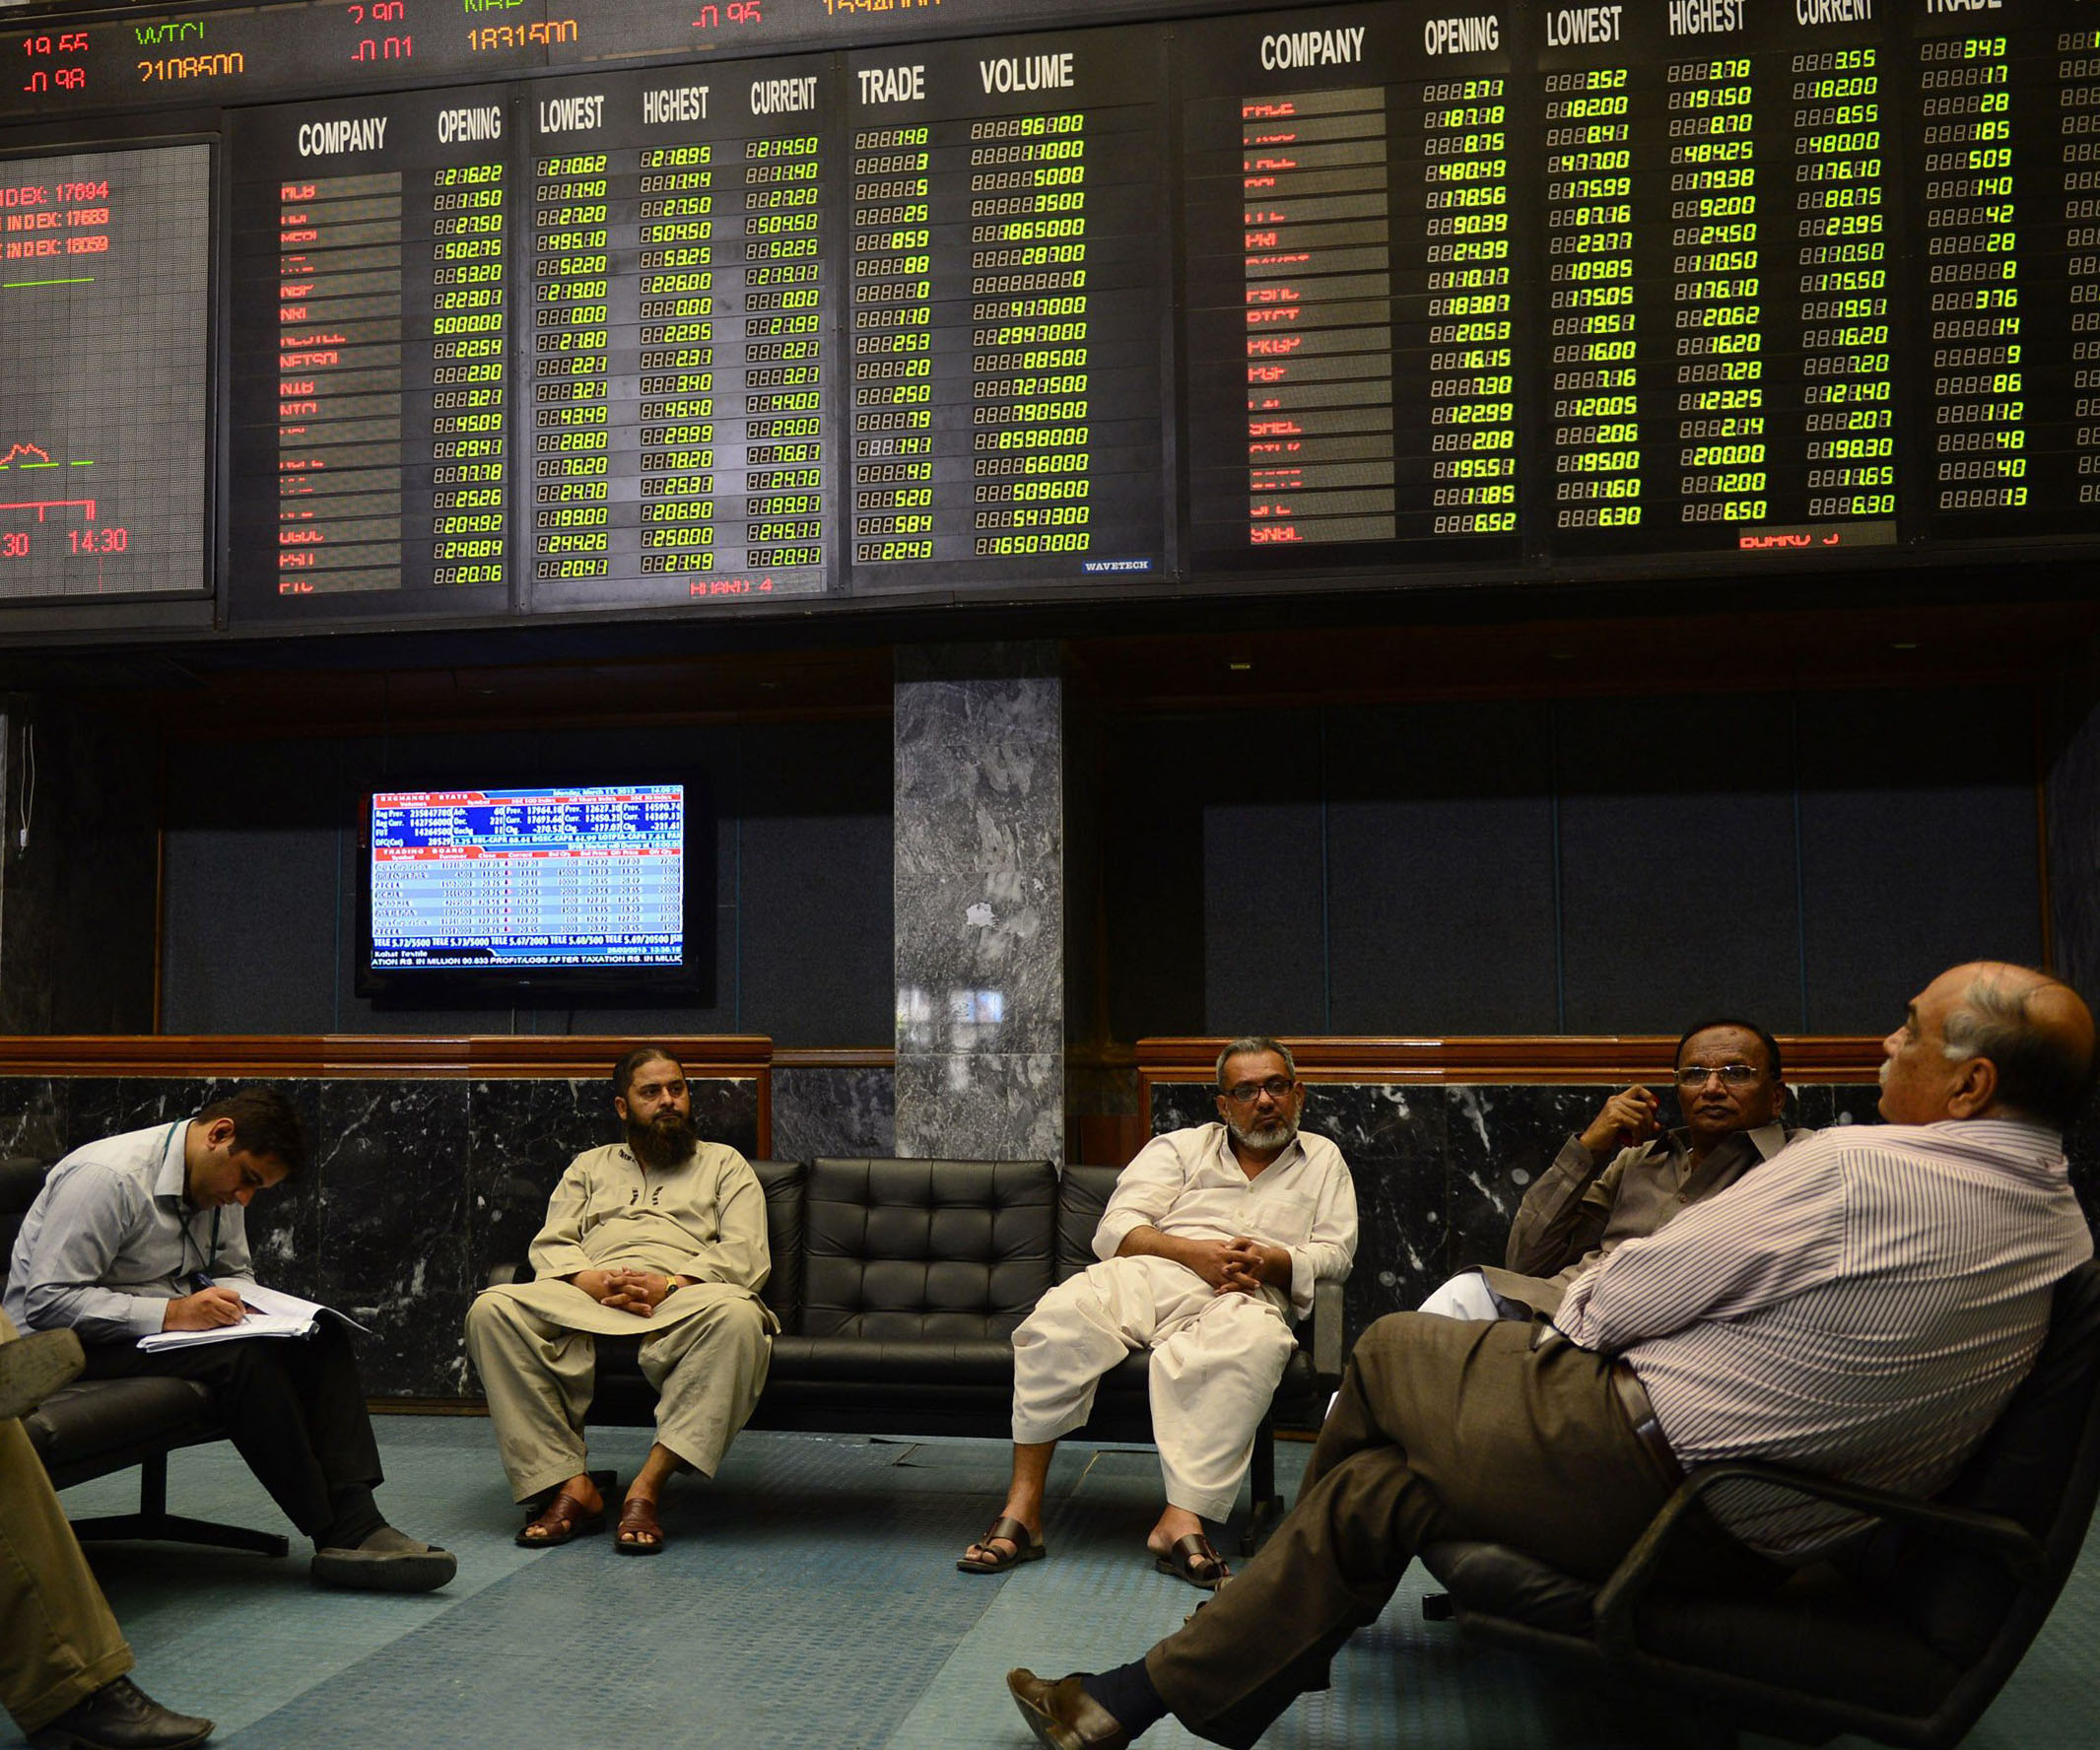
x,y
1331,1352
1984,1534
500,1274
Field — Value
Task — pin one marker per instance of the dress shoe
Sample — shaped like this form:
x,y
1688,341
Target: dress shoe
x,y
121,1715
34,1367
389,1561
1064,1716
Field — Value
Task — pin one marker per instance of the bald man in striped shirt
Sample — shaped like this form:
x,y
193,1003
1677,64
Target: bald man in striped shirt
x,y
1863,1306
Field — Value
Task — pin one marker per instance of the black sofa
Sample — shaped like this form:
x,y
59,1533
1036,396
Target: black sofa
x,y
95,1427
898,1285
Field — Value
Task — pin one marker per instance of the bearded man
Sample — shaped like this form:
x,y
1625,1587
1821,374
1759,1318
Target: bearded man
x,y
1211,1246
661,1237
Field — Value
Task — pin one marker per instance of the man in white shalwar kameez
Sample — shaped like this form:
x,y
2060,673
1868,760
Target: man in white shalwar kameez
x,y
1209,1248
663,1236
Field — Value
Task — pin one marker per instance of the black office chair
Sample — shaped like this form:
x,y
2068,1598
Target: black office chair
x,y
1906,1637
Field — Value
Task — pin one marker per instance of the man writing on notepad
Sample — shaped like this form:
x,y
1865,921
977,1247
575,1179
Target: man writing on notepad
x,y
145,1232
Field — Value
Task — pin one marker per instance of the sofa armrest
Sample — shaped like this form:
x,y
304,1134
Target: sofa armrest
x,y
1331,1354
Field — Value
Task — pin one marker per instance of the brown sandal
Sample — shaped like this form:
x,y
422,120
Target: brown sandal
x,y
1192,1558
558,1521
639,1532
1027,1548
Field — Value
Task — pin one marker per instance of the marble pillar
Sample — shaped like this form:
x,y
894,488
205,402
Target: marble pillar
x,y
979,903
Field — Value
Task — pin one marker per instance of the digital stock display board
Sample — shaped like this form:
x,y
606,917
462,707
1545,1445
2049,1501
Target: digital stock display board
x,y
372,383
105,326
829,304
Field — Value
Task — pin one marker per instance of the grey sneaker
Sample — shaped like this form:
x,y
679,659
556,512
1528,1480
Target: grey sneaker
x,y
389,1561
34,1367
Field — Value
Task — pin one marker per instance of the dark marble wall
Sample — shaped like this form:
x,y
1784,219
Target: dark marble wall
x,y
416,1188
1440,1171
846,1111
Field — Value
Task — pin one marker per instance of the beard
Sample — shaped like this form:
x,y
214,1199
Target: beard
x,y
664,1141
1275,1134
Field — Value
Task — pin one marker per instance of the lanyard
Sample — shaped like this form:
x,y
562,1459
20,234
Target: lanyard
x,y
205,1260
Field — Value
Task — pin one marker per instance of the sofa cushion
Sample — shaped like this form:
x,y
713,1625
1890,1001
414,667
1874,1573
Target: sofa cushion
x,y
786,1186
950,1250
1083,1195
910,1361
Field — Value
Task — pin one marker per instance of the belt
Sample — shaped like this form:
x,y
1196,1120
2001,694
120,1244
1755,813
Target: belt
x,y
1640,1417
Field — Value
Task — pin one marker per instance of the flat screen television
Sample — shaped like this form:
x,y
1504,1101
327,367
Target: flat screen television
x,y
551,894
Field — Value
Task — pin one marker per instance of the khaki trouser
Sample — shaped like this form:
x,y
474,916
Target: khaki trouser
x,y
1443,1429
59,1642
707,1369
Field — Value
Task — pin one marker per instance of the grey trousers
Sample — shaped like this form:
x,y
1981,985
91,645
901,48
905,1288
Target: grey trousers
x,y
1444,1428
708,1370
59,1642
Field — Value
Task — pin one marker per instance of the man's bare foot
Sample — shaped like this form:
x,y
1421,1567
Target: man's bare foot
x,y
1175,1523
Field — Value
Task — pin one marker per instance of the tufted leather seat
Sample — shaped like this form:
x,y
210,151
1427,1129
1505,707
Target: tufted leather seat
x,y
95,1427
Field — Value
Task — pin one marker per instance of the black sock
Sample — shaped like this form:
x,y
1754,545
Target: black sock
x,y
1127,1693
357,1518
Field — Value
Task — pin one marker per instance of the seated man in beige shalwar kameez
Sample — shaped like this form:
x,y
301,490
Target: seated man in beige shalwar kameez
x,y
662,1236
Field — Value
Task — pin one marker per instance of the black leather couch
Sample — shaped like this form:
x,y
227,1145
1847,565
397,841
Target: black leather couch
x,y
898,1285
93,1428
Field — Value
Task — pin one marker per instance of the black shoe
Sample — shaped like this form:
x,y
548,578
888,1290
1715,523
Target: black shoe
x,y
121,1715
34,1368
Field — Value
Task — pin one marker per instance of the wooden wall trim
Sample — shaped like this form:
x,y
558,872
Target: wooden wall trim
x,y
830,1058
371,1054
1508,1058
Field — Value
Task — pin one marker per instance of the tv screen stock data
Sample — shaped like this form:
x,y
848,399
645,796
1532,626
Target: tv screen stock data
x,y
1286,297
575,877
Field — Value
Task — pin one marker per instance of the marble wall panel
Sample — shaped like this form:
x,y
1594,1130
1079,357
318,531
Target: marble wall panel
x,y
833,1111
975,1108
979,893
1501,1140
1394,1139
394,1228
32,1117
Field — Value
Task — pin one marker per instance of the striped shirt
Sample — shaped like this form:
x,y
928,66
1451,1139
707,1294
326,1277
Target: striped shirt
x,y
1860,1307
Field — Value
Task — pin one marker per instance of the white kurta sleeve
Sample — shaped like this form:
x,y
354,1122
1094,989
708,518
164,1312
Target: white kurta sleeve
x,y
1330,1248
1144,1194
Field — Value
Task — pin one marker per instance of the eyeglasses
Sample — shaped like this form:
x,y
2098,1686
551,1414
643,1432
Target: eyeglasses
x,y
1736,1075
1245,1092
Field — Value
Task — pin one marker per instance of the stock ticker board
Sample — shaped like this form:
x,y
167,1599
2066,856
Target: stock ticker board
x,y
1305,298
105,263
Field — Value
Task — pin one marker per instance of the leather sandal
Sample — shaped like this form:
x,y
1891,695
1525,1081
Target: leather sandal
x,y
639,1532
1027,1548
558,1521
1192,1558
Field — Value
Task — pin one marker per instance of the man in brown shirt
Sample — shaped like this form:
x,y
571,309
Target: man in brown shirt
x,y
1622,1178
